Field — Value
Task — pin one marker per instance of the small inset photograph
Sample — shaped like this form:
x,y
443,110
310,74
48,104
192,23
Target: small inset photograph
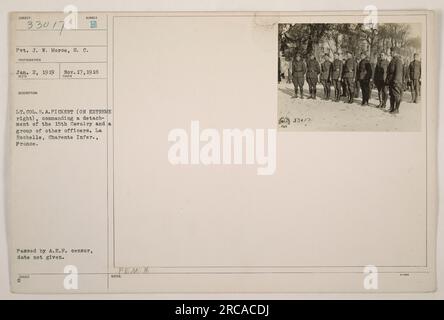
x,y
349,77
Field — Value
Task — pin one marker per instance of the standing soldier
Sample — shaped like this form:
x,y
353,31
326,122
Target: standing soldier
x,y
405,75
379,79
357,83
285,66
415,77
286,62
343,84
394,80
348,72
298,74
313,70
365,73
336,73
326,68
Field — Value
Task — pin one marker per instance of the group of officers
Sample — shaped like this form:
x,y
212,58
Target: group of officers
x,y
348,76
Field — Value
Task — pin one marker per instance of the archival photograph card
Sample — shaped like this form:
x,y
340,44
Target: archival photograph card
x,y
222,152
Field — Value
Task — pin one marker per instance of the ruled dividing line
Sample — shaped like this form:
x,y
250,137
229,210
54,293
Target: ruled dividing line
x,y
54,30
61,62
63,46
38,79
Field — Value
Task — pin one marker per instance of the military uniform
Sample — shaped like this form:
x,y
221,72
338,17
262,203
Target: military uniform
x,y
394,81
326,67
415,78
348,74
364,75
379,79
298,73
336,73
313,70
